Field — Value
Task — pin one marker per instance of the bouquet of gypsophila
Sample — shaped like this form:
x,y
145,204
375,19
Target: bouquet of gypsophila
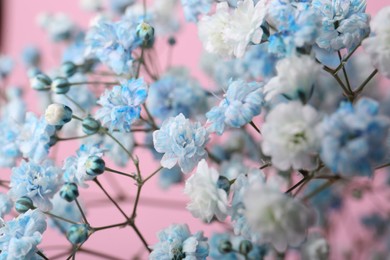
x,y
293,132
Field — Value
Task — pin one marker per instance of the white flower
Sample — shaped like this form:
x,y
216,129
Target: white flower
x,y
295,76
280,220
206,199
378,45
315,248
91,5
229,34
212,31
290,136
244,25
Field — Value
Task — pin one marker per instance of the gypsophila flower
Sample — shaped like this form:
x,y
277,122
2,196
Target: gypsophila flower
x,y
207,199
31,56
119,6
115,151
289,136
34,138
279,219
19,237
6,66
164,18
176,242
194,8
121,106
9,148
352,142
75,169
113,43
228,34
315,248
39,182
297,26
182,142
241,103
59,26
378,44
295,78
91,5
344,23
174,93
6,204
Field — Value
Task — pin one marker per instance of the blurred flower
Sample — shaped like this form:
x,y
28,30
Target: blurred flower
x,y
67,210
174,93
6,66
352,142
207,199
241,103
279,219
6,204
31,56
119,6
182,142
168,177
315,248
290,136
20,237
39,182
378,44
121,106
113,43
34,138
194,8
75,169
58,115
91,5
295,78
59,26
176,242
9,148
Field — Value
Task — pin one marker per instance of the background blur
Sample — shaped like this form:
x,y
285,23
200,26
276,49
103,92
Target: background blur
x,y
158,208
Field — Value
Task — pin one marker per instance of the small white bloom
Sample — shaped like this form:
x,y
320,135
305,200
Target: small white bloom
x,y
91,5
206,199
212,31
315,248
228,34
244,26
280,220
295,75
378,45
290,136
57,114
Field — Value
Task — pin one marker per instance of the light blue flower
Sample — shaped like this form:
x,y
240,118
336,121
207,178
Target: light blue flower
x,y
34,138
9,149
75,51
6,66
242,102
6,204
353,138
168,177
344,23
19,237
175,93
121,106
297,24
113,43
194,8
75,170
182,142
67,210
115,151
39,182
31,56
176,242
119,6
15,110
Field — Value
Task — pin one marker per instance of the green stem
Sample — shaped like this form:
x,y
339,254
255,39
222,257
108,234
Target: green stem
x,y
110,226
119,172
60,218
81,212
361,87
345,74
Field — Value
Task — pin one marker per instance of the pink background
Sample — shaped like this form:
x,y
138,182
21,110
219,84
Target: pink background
x,y
158,208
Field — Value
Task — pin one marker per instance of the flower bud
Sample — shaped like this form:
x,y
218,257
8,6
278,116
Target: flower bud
x,y
225,246
57,114
69,192
245,247
223,183
32,72
60,85
40,82
23,204
171,41
94,165
90,125
68,69
77,233
146,32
